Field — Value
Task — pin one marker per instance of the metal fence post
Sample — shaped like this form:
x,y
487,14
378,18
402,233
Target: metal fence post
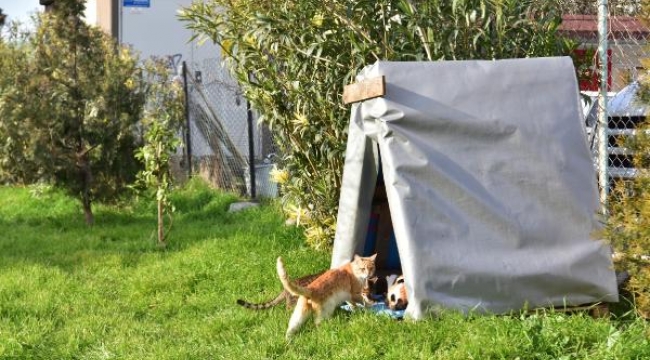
x,y
251,149
188,140
603,126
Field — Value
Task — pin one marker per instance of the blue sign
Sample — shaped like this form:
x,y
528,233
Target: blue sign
x,y
137,3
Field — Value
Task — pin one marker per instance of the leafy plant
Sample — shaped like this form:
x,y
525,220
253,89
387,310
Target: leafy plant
x,y
293,58
628,225
162,121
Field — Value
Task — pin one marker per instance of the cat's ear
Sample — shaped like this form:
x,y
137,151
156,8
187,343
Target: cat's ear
x,y
356,257
373,257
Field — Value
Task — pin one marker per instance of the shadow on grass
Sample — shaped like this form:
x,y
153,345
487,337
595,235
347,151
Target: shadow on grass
x,y
34,233
624,309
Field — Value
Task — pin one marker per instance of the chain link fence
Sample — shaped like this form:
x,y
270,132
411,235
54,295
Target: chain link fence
x,y
225,144
627,43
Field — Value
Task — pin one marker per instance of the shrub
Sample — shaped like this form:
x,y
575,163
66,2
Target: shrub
x,y
628,224
293,58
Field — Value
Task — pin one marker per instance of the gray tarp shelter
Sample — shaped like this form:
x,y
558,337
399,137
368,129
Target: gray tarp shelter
x,y
489,186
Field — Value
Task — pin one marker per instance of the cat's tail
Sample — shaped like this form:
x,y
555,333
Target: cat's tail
x,y
289,285
262,306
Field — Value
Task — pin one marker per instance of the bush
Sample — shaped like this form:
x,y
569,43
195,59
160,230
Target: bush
x,y
628,225
293,58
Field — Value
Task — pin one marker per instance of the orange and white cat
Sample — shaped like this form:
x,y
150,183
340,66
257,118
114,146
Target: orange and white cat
x,y
328,291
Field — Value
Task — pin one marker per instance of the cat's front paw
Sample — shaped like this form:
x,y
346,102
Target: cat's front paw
x,y
369,302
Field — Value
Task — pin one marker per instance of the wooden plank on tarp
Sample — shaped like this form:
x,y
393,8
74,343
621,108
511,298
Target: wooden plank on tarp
x,y
364,90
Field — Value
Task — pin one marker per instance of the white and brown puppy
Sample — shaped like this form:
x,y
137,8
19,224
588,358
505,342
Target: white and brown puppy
x,y
396,297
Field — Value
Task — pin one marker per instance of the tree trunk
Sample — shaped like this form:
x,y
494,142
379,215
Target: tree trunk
x,y
161,229
88,211
86,181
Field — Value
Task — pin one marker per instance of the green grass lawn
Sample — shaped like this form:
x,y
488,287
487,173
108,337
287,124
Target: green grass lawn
x,y
72,292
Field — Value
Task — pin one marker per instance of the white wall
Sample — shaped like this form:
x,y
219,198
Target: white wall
x,y
91,12
156,31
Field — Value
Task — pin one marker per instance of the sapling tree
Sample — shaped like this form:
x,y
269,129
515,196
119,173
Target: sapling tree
x,y
161,125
